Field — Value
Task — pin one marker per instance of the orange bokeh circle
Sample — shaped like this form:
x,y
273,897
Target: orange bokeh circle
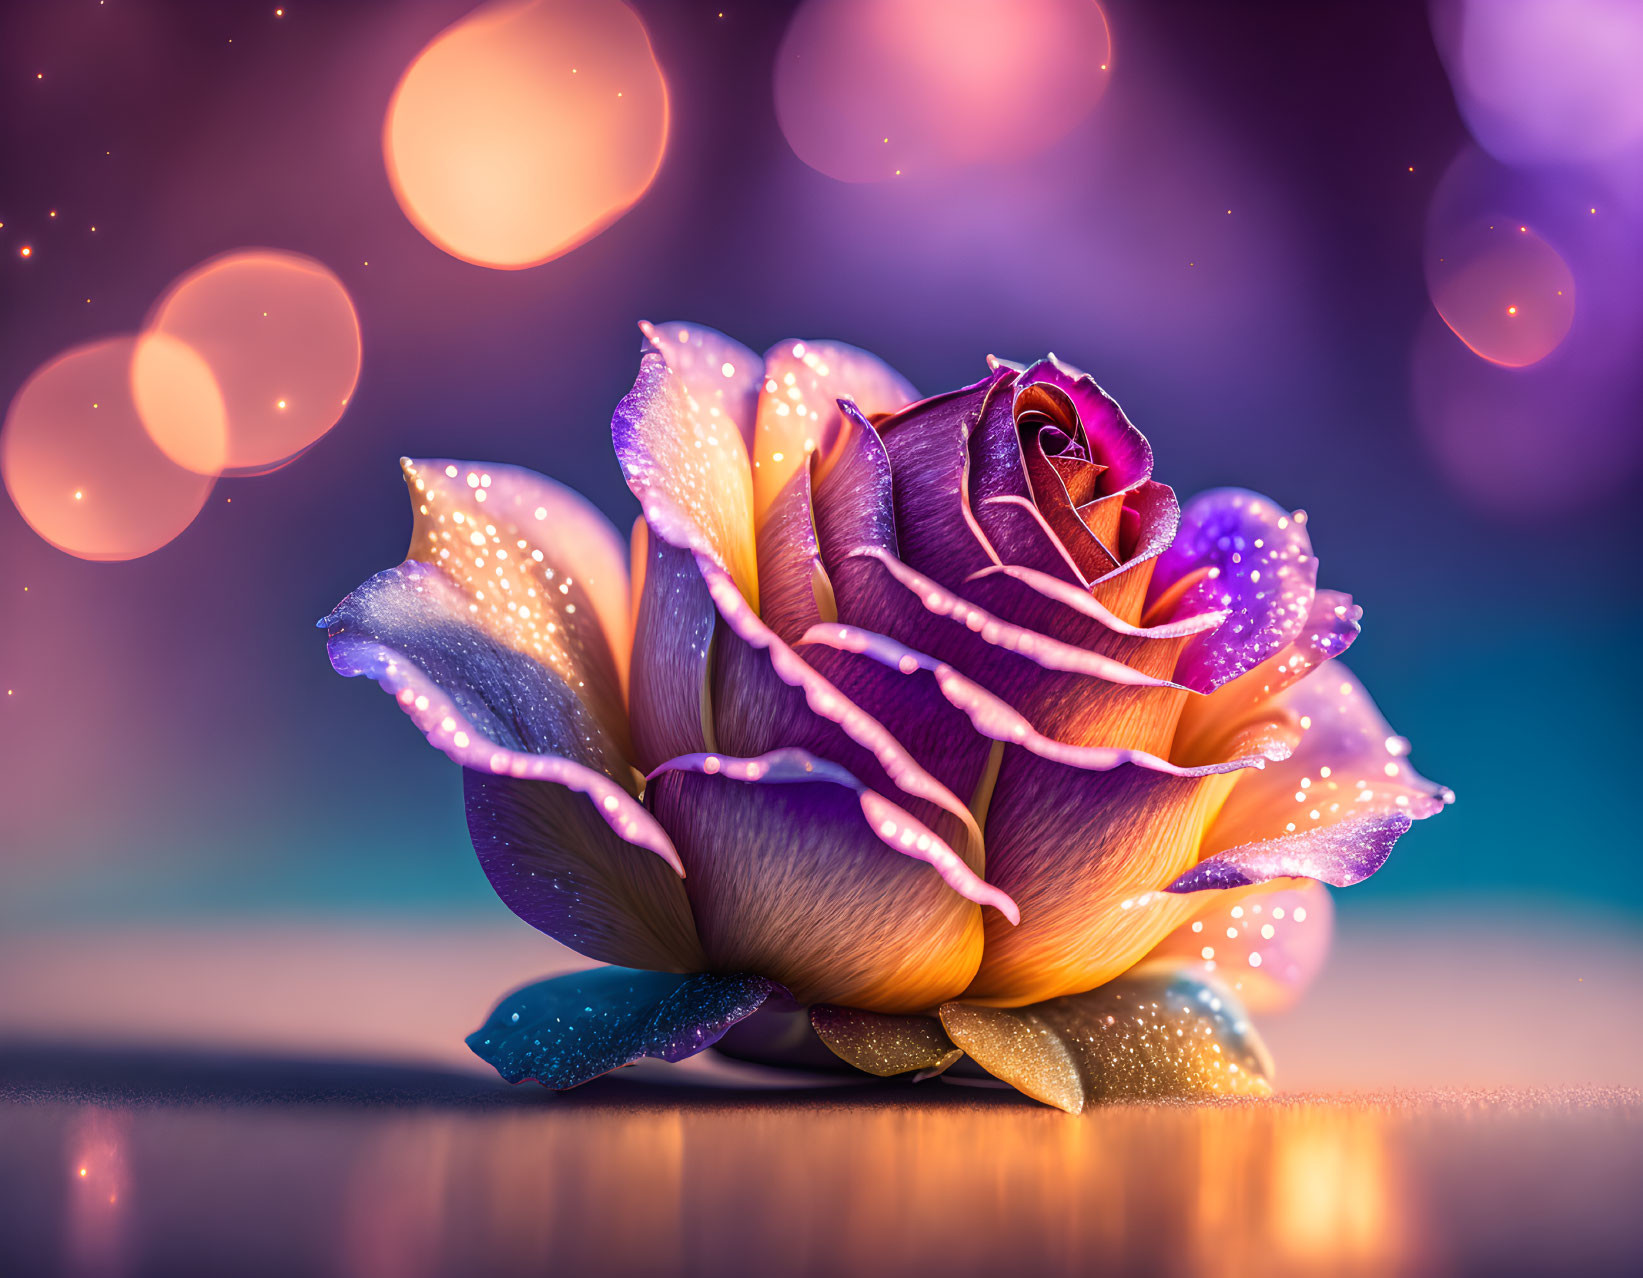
x,y
1502,289
527,128
168,381
281,337
80,464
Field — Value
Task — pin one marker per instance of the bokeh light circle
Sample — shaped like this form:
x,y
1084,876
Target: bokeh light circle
x,y
281,337
1546,81
1502,289
80,465
526,129
179,402
873,90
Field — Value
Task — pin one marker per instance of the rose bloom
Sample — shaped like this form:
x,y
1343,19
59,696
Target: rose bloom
x,y
939,717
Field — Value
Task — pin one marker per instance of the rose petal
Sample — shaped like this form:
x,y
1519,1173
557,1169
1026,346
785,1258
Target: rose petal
x,y
1348,769
718,372
1150,518
794,590
569,1029
798,406
1240,552
874,589
486,705
1143,1036
1087,855
540,569
766,696
1001,494
932,730
1266,943
854,499
884,1045
892,825
1206,722
687,464
1101,528
1070,692
928,446
1114,442
1069,486
990,715
798,871
968,618
556,864
1047,592
1342,854
669,699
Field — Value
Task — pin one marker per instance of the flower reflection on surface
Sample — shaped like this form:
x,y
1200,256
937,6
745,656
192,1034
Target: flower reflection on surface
x,y
95,1222
725,1183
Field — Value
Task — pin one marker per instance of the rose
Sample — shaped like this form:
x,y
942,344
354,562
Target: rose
x,y
906,704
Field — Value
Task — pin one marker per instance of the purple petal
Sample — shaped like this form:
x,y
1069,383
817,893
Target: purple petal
x,y
668,696
1331,627
928,446
854,499
799,872
1001,494
1038,608
1069,682
500,650
990,715
794,591
1268,942
1339,855
931,729
1240,552
892,825
766,696
564,843
942,605
1152,518
1071,487
557,864
1114,442
542,571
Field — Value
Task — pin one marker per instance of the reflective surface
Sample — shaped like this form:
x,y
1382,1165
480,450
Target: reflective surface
x,y
180,1165
294,1098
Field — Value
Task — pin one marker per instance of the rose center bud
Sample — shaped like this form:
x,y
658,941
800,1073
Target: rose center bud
x,y
1072,484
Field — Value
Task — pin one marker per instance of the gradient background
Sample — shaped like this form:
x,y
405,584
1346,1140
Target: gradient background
x,y
177,749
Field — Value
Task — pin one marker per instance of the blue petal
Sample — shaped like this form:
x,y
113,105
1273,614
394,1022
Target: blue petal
x,y
568,1029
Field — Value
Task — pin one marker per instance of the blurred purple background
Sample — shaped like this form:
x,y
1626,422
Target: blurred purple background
x,y
1235,241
